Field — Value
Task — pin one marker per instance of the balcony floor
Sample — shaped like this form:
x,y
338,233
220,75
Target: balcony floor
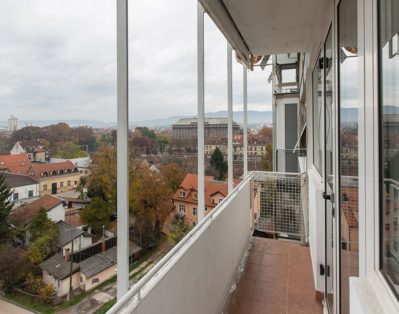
x,y
277,279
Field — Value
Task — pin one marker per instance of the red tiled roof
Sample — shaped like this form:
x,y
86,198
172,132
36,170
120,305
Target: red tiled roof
x,y
212,187
38,169
18,164
25,214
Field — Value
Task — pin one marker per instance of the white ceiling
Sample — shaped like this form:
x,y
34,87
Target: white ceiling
x,y
277,26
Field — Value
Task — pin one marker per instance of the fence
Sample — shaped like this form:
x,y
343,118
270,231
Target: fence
x,y
280,204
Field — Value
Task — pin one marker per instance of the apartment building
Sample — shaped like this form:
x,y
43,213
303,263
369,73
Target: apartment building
x,y
341,57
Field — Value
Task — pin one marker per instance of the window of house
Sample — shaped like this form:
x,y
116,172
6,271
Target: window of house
x,y
182,208
182,194
206,208
44,187
318,118
194,211
68,182
288,75
389,141
30,193
15,196
213,201
195,196
220,200
194,223
61,184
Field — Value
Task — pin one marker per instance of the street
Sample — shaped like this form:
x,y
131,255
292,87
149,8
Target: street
x,y
10,308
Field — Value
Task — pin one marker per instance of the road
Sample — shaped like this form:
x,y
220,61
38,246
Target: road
x,y
10,308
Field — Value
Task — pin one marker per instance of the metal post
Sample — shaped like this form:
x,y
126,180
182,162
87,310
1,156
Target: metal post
x,y
230,117
122,149
201,112
245,139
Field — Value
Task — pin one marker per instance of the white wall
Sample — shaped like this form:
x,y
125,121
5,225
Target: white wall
x,y
23,191
57,213
78,244
83,162
17,149
197,279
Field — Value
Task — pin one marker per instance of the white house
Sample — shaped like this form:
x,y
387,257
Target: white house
x,y
24,189
82,163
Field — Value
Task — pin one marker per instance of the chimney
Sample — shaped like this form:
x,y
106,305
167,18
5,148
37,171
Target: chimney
x,y
102,245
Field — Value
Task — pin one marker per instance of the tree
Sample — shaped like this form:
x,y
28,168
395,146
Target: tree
x,y
102,181
151,203
267,159
5,209
98,214
218,162
173,175
14,266
44,233
81,186
179,229
69,150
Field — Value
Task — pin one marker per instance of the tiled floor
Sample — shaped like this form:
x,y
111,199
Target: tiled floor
x,y
277,279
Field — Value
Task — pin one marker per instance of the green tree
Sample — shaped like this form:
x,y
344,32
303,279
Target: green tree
x,y
44,234
179,229
69,150
267,159
173,175
5,209
98,214
218,163
81,186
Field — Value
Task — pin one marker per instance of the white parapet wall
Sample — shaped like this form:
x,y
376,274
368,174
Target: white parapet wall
x,y
196,276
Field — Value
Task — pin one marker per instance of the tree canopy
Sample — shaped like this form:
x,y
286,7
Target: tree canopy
x,y
218,163
5,209
98,214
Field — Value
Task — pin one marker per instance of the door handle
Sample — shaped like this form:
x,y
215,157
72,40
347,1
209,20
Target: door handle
x,y
326,196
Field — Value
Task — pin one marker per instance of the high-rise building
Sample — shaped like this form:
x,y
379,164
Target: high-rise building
x,y
12,124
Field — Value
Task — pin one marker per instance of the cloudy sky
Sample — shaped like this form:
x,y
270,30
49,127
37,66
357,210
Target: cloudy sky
x,y
58,61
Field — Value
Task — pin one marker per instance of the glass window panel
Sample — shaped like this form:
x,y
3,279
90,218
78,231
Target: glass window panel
x,y
348,142
318,119
389,140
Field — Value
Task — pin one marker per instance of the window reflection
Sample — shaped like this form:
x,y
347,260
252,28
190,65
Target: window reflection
x,y
389,138
348,140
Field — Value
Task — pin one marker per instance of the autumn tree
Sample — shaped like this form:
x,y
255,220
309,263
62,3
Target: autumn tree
x,y
81,187
43,235
98,214
173,175
151,204
102,181
179,229
218,163
69,150
267,159
5,209
14,266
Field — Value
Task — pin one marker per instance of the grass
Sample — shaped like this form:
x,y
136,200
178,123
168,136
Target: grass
x,y
31,303
105,307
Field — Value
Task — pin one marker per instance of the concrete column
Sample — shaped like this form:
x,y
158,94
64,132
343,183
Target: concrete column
x,y
122,149
230,117
201,112
245,101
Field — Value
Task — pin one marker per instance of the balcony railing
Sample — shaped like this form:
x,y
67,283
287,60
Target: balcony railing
x,y
196,276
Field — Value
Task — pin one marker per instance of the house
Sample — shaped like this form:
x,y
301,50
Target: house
x,y
35,150
71,239
55,177
23,215
88,273
185,198
24,189
82,163
18,164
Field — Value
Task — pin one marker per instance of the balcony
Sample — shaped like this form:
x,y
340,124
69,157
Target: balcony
x,y
220,267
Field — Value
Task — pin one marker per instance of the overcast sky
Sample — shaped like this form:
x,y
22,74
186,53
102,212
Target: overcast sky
x,y
58,61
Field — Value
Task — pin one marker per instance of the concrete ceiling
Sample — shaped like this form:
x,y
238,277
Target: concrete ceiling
x,y
277,26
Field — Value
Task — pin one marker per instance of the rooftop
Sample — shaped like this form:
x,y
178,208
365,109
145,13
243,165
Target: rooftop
x,y
23,215
66,233
209,121
57,266
19,164
15,180
37,170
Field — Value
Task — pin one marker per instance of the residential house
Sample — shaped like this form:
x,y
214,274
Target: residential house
x,y
71,239
86,274
35,150
55,177
23,215
82,163
185,198
24,189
